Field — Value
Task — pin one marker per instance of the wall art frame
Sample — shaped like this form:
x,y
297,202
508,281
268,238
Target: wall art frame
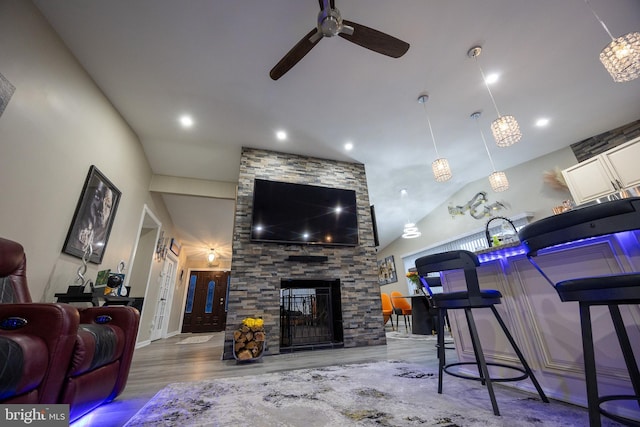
x,y
93,217
387,271
175,247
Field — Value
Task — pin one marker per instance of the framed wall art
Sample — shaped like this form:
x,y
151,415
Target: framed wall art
x,y
93,217
387,271
175,247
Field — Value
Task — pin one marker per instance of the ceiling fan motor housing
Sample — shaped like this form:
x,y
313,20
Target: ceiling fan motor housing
x,y
329,22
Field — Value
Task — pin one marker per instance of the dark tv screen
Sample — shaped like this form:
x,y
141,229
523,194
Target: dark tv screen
x,y
303,214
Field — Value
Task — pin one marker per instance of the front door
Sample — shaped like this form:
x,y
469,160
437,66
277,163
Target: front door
x,y
205,310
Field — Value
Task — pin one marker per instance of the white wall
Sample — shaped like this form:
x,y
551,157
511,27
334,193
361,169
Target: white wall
x,y
527,193
56,126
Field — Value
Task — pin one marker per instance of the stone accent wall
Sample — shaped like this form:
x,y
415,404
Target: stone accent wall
x,y
598,144
258,268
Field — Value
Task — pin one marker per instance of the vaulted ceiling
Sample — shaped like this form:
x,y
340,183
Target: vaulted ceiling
x,y
159,59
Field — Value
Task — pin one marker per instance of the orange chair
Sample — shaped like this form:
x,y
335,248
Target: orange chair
x,y
387,309
401,306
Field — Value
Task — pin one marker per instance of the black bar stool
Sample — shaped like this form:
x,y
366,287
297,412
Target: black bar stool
x,y
473,297
610,290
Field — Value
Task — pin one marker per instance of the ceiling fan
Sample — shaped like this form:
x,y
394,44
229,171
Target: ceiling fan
x,y
330,24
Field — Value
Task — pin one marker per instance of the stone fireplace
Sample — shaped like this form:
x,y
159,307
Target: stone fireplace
x,y
337,277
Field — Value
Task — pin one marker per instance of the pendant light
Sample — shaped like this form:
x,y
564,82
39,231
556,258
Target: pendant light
x,y
621,57
440,166
410,231
505,129
211,256
497,179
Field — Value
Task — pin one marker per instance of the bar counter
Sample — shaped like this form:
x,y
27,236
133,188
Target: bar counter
x,y
546,329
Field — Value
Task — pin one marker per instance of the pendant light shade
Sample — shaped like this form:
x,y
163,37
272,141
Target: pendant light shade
x,y
505,129
440,166
441,169
621,57
410,231
498,180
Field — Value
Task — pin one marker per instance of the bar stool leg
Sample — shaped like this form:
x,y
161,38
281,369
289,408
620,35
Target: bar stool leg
x,y
477,355
523,361
441,352
627,351
483,369
593,402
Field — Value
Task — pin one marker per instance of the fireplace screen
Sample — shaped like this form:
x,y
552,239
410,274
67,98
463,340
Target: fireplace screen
x,y
307,317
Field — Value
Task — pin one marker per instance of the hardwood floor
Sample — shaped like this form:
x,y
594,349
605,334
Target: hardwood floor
x,y
164,362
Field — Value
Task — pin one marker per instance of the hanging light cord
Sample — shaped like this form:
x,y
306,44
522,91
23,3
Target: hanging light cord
x,y
431,130
599,20
485,143
484,80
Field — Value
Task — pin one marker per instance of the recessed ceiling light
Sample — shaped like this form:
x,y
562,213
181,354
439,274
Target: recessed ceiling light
x,y
492,78
542,122
403,192
186,121
348,146
281,135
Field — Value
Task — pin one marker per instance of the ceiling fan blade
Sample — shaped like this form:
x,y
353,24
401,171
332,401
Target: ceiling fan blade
x,y
375,40
296,54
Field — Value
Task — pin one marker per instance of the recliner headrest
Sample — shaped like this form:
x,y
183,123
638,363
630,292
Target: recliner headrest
x,y
11,256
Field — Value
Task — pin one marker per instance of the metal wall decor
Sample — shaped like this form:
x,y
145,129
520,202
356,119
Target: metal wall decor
x,y
477,207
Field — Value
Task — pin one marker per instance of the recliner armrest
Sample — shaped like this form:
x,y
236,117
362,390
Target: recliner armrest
x,y
127,319
56,325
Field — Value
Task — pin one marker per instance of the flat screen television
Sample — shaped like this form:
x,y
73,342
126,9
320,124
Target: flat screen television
x,y
284,212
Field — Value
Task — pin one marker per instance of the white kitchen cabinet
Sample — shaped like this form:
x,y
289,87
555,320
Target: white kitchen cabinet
x,y
606,173
624,163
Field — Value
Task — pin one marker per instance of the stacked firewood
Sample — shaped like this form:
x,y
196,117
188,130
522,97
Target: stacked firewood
x,y
248,339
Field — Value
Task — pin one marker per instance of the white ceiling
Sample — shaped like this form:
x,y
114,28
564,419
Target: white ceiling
x,y
157,59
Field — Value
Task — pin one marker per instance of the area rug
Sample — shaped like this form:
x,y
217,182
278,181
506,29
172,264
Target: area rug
x,y
409,336
370,394
195,340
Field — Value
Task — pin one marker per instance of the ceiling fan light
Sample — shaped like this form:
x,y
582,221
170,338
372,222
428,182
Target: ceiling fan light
x,y
441,169
506,131
621,57
499,182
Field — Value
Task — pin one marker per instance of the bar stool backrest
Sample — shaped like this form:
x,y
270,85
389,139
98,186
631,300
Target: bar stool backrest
x,y
591,221
453,260
582,223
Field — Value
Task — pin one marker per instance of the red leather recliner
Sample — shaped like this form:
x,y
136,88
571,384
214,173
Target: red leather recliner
x,y
36,340
102,343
